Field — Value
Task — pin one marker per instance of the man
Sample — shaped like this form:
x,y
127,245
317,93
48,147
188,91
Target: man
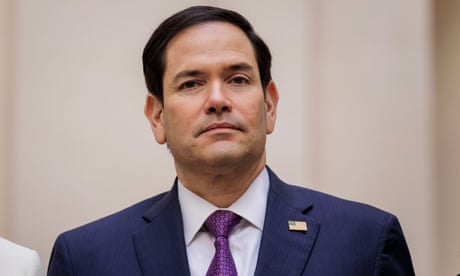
x,y
16,260
212,101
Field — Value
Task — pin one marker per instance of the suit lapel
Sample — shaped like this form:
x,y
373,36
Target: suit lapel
x,y
160,245
282,250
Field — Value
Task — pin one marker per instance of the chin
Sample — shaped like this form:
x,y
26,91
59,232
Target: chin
x,y
232,158
224,157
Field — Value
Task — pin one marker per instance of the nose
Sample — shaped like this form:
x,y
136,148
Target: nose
x,y
217,101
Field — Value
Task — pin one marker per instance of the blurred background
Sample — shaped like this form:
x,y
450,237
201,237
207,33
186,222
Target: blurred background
x,y
369,110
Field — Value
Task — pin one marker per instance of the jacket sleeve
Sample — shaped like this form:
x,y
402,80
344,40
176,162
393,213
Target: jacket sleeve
x,y
393,257
59,264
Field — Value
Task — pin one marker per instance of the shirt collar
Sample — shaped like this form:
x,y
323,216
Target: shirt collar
x,y
250,206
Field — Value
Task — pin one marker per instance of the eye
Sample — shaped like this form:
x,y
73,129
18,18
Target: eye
x,y
239,80
191,84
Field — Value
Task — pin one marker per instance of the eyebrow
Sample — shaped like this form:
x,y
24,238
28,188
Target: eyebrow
x,y
187,74
242,66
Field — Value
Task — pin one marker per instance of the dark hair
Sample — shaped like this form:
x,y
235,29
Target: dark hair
x,y
154,55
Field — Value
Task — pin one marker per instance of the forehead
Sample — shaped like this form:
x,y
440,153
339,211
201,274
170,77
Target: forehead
x,y
210,39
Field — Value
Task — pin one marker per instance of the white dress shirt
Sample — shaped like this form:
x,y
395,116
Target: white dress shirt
x,y
244,239
19,261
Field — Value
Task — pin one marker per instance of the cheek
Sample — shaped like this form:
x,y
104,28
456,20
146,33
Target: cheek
x,y
177,121
255,116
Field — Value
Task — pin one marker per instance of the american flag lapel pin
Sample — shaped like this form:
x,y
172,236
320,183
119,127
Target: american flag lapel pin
x,y
295,225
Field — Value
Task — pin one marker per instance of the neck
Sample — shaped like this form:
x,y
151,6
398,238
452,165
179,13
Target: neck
x,y
220,186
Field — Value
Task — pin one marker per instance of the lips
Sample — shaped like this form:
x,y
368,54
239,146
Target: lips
x,y
219,125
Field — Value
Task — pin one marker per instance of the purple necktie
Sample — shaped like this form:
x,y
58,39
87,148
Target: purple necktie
x,y
220,224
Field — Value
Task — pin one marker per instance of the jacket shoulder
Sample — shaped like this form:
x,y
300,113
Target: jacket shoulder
x,y
322,205
354,237
101,247
127,217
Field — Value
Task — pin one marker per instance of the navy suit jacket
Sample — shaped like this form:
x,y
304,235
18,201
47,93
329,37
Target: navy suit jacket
x,y
343,238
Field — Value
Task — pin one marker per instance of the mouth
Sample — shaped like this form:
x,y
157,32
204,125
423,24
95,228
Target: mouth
x,y
219,126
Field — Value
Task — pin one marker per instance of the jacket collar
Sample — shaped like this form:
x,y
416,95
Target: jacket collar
x,y
160,245
282,249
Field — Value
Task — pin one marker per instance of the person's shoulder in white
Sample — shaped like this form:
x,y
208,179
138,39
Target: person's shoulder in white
x,y
16,260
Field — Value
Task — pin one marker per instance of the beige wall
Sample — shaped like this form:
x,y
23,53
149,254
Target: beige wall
x,y
356,114
5,85
81,146
373,106
447,53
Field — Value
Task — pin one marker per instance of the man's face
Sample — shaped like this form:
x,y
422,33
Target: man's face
x,y
214,111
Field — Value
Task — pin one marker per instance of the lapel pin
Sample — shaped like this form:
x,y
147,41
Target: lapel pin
x,y
295,225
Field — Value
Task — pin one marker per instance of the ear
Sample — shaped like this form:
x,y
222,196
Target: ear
x,y
153,110
271,105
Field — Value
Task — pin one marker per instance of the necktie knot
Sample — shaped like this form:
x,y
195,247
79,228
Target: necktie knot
x,y
221,223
